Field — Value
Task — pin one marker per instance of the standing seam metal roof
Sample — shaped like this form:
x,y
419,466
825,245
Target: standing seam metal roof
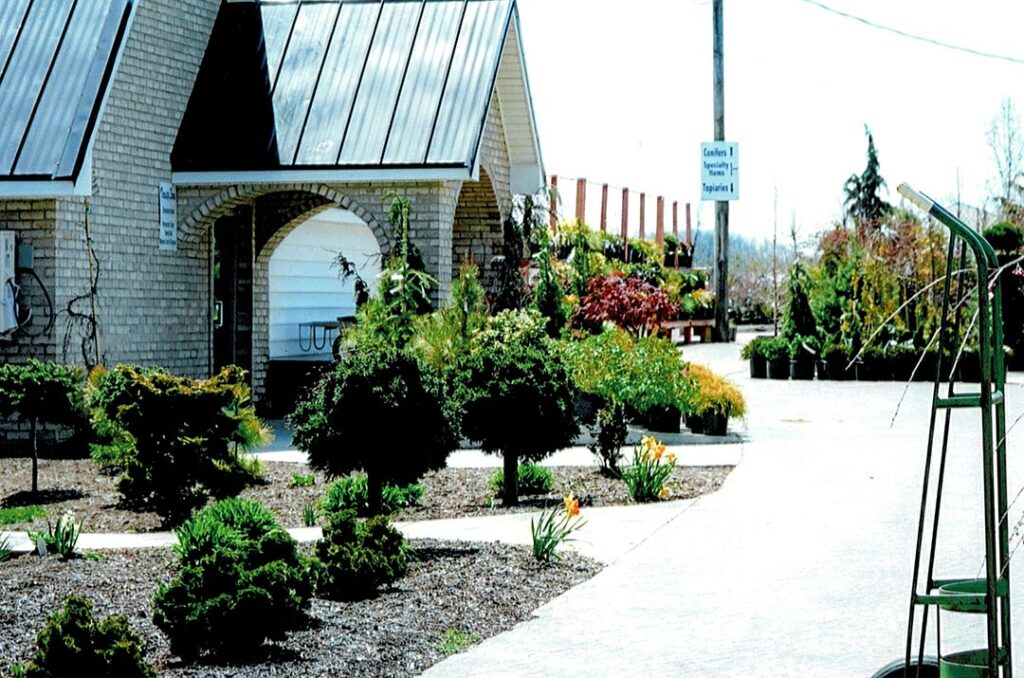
x,y
344,83
56,57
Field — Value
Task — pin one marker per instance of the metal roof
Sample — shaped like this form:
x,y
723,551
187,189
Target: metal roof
x,y
56,57
356,84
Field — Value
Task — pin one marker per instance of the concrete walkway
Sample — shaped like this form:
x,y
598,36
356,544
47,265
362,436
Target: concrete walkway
x,y
799,566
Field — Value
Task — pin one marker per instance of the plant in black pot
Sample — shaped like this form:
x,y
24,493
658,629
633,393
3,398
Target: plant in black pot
x,y
834,359
776,354
754,352
902,359
803,352
714,402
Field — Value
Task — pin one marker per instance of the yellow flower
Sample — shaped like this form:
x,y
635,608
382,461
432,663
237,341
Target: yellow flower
x,y
659,450
664,492
572,505
670,457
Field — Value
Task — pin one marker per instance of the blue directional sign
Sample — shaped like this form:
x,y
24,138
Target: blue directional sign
x,y
719,170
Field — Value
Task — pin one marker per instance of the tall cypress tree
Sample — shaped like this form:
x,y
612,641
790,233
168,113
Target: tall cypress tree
x,y
863,203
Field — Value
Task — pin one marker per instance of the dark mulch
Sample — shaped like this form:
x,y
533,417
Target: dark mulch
x,y
481,589
78,485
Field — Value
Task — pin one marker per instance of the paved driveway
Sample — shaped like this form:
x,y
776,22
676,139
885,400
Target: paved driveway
x,y
799,566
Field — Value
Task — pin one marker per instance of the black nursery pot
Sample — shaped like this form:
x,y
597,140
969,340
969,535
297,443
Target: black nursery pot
x,y
685,260
778,369
758,367
695,423
664,419
715,423
801,368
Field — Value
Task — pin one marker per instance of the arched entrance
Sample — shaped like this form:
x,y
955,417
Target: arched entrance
x,y
476,230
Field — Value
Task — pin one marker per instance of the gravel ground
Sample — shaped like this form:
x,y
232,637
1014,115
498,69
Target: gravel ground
x,y
79,486
398,633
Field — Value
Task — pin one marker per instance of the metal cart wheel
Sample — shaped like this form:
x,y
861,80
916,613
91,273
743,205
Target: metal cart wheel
x,y
928,668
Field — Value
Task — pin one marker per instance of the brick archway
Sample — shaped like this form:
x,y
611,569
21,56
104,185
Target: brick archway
x,y
477,228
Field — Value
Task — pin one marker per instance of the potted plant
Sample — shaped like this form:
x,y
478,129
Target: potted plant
x,y
715,401
754,352
834,359
803,352
776,353
671,248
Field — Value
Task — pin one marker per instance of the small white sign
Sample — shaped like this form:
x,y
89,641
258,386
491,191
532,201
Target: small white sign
x,y
168,218
719,170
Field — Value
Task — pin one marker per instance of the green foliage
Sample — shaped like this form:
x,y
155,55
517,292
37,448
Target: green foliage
x,y
454,641
42,391
715,394
554,526
797,318
754,348
6,551
645,479
609,436
60,537
241,581
512,292
309,515
340,423
358,557
548,297
642,372
863,202
443,337
774,348
302,480
1005,238
351,493
14,515
517,395
177,440
74,643
533,479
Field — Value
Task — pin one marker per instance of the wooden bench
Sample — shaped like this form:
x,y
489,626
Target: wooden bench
x,y
686,327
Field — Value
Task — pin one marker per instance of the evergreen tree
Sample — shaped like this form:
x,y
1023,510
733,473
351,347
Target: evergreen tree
x,y
863,203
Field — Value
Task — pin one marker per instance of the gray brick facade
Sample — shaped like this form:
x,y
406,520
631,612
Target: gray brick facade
x,y
155,306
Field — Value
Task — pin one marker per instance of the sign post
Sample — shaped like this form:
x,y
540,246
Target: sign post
x,y
719,171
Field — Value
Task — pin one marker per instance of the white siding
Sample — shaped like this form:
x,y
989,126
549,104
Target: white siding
x,y
305,287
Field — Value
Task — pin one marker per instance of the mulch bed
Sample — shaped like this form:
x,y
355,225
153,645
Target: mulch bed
x,y
79,486
398,633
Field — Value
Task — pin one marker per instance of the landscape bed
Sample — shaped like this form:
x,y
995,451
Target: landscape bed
x,y
79,486
399,632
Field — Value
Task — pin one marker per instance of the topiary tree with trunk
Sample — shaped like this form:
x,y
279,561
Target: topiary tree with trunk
x,y
517,395
380,412
41,392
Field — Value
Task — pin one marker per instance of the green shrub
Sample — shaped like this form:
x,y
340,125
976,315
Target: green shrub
x,y
775,348
41,393
754,348
1005,238
302,480
443,337
533,479
517,395
73,643
610,435
358,557
240,581
351,493
797,318
186,436
381,413
548,296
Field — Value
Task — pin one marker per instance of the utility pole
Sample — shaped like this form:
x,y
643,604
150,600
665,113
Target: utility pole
x,y
721,206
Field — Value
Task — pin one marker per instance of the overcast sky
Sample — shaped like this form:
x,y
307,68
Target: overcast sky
x,y
623,94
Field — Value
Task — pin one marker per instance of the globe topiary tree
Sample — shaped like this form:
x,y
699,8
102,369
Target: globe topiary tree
x,y
380,412
41,392
517,395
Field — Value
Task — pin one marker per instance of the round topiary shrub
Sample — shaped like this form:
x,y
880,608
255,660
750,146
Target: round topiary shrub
x,y
358,557
381,413
241,581
75,644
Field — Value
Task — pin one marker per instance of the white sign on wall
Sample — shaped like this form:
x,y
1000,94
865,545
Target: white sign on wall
x,y
168,218
719,170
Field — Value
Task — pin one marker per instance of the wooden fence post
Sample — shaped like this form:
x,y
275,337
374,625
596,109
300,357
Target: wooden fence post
x,y
581,200
643,208
604,208
659,229
625,223
675,231
689,231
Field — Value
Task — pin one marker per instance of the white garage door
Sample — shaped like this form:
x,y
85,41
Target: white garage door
x,y
305,286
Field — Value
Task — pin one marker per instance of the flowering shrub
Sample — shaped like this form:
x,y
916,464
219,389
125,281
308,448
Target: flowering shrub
x,y
555,526
630,303
651,467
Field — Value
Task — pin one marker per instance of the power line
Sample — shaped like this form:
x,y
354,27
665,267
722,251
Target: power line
x,y
913,36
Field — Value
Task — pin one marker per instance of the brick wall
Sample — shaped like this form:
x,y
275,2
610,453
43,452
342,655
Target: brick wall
x,y
33,222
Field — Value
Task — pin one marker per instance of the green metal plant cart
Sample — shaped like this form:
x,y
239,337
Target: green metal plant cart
x,y
972,273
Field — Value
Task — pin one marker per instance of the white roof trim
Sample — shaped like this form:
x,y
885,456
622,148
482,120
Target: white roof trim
x,y
516,101
52,188
290,176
